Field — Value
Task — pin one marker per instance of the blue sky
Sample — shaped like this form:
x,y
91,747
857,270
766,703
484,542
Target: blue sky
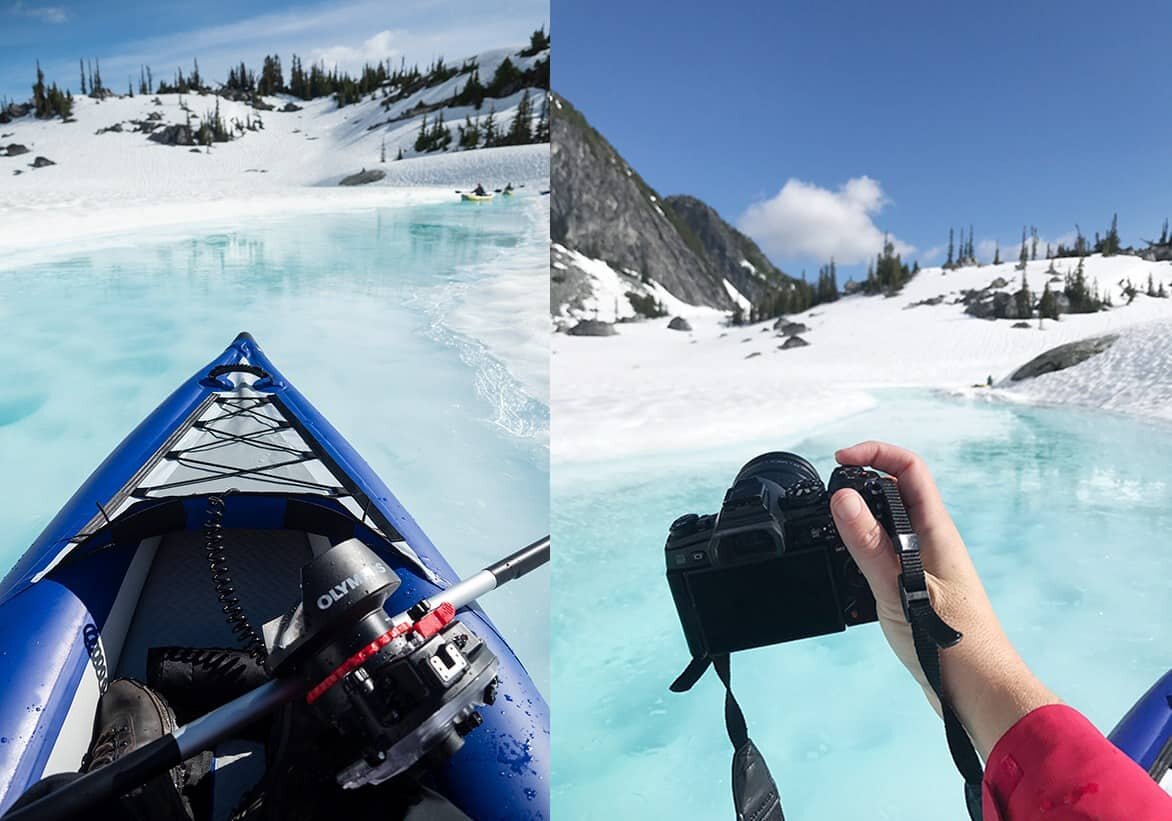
x,y
820,125
166,34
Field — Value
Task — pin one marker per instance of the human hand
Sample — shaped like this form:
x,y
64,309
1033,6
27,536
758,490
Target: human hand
x,y
985,679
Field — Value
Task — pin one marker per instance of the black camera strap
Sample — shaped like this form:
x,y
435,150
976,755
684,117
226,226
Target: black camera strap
x,y
931,634
755,794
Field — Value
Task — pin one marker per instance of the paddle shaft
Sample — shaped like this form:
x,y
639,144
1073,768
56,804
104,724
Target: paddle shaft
x,y
141,765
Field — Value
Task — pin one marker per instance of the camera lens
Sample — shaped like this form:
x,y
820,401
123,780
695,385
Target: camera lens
x,y
786,469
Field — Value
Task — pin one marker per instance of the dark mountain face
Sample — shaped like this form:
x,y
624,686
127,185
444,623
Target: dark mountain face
x,y
727,249
603,209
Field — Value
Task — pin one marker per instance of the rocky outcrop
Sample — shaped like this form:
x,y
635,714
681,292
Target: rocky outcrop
x,y
727,249
592,327
289,108
1064,356
793,342
986,304
174,135
364,177
15,150
604,210
680,324
42,162
787,328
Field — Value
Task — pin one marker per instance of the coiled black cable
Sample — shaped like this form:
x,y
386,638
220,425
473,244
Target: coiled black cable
x,y
213,531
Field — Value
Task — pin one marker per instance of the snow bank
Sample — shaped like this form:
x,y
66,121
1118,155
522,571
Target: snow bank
x,y
651,389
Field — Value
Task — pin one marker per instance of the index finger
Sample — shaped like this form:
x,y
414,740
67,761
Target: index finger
x,y
916,485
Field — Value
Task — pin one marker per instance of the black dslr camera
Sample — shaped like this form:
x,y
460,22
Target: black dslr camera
x,y
770,566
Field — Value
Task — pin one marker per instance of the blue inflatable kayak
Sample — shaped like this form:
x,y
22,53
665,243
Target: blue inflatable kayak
x,y
121,569
1145,733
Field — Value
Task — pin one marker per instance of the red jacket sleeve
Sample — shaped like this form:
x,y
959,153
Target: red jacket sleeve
x,y
1054,765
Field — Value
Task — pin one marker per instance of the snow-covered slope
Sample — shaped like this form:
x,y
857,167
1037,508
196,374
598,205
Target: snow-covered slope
x,y
117,181
650,388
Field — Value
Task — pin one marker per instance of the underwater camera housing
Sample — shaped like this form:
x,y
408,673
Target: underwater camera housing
x,y
770,566
405,688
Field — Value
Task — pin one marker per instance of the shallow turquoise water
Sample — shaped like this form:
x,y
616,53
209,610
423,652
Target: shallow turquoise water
x,y
390,321
1068,516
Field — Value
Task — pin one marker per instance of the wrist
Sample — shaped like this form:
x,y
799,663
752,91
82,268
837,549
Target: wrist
x,y
992,689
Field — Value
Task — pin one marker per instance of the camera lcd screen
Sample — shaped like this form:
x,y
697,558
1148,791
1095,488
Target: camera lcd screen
x,y
768,602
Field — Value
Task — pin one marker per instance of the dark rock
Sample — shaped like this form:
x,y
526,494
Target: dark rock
x,y
15,150
994,305
112,129
592,327
41,162
155,116
1055,279
1000,282
17,172
174,135
1064,356
364,177
787,328
261,105
754,353
935,300
1022,325
793,342
680,324
289,108
194,151
15,111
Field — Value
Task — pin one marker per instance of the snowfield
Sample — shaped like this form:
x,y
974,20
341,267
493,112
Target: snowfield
x,y
651,389
115,182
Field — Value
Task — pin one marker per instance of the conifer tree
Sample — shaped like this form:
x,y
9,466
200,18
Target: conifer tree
x,y
40,101
96,86
997,253
81,62
948,262
1048,304
1023,257
1023,298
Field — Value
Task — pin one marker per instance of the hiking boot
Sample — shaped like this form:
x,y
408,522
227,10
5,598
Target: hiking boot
x,y
131,715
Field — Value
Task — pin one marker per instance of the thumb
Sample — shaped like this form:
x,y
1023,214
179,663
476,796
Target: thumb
x,y
868,544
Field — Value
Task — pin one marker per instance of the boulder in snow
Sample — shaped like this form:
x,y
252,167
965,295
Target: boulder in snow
x,y
1000,282
592,327
41,162
289,108
680,324
364,177
754,353
793,342
16,149
786,328
1064,356
260,105
1022,325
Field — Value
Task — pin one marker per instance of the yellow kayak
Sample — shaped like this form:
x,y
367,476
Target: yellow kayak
x,y
476,197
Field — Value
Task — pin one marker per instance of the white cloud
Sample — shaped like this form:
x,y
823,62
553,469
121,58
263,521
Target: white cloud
x,y
806,220
374,50
46,14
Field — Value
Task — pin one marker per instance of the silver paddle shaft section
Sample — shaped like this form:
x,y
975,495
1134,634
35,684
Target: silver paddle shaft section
x,y
463,593
209,730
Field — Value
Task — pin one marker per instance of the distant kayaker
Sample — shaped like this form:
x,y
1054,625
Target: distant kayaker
x,y
479,190
1042,758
